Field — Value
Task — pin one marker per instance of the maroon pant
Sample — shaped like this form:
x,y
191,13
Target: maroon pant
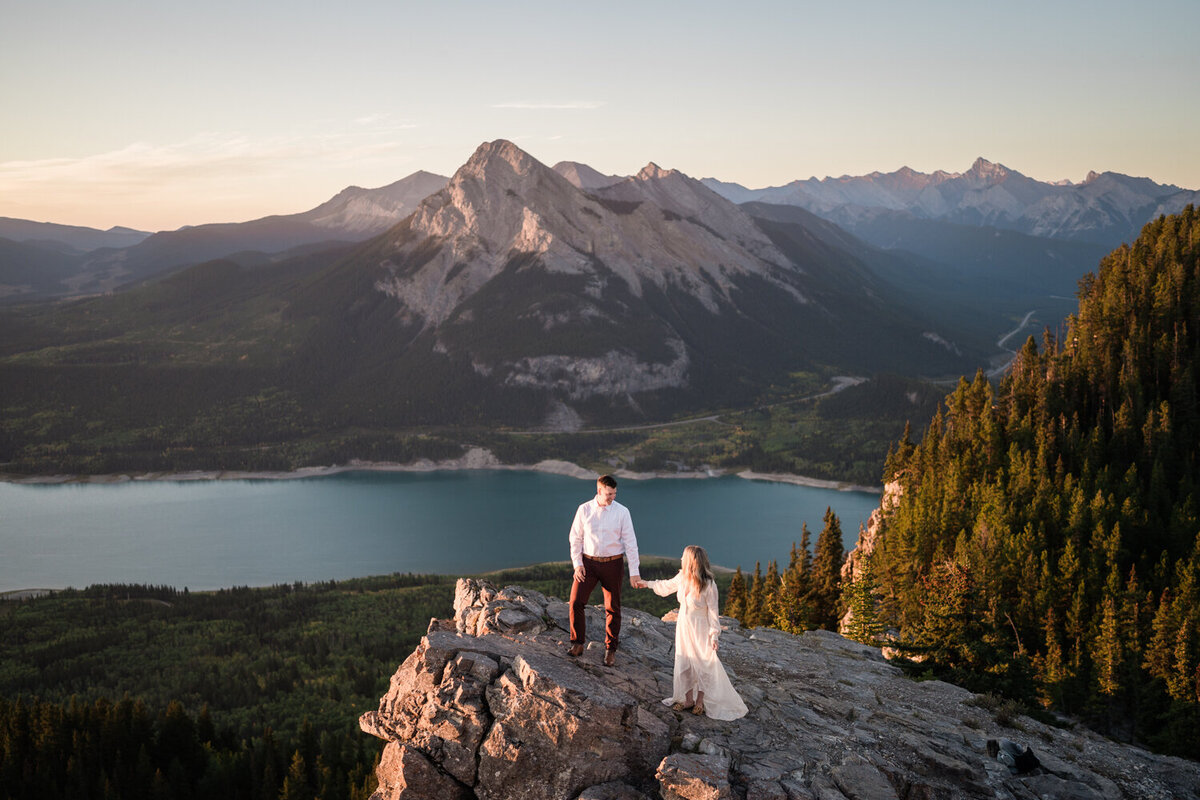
x,y
609,575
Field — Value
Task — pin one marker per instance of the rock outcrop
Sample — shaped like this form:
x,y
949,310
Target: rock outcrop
x,y
489,706
868,536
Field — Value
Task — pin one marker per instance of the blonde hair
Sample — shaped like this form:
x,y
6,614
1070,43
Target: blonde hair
x,y
697,572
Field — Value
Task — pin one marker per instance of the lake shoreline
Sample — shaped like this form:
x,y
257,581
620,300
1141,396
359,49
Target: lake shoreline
x,y
21,595
474,459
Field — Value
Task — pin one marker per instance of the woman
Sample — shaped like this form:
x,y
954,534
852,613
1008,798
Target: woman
x,y
700,681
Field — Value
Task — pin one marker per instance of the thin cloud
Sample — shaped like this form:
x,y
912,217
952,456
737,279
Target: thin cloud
x,y
143,163
579,105
220,175
383,123
207,156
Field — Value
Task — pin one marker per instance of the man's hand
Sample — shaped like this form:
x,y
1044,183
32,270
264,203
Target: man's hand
x,y
579,573
636,582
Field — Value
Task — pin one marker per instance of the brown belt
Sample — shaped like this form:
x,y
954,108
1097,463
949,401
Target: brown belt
x,y
602,559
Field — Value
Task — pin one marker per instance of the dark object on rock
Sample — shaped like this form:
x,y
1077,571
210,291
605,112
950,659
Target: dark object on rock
x,y
1020,760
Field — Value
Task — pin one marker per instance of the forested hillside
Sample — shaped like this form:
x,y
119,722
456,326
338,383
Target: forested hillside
x,y
135,691
1047,542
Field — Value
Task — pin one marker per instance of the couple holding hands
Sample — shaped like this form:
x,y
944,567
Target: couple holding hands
x,y
601,537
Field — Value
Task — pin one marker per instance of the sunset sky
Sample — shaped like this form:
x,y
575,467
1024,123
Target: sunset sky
x,y
155,114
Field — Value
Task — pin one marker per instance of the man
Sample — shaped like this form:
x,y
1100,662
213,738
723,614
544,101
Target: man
x,y
601,533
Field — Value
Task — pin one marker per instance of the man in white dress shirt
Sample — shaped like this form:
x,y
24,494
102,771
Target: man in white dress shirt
x,y
600,535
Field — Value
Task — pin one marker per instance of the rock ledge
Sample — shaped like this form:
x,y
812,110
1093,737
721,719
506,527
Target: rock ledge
x,y
490,707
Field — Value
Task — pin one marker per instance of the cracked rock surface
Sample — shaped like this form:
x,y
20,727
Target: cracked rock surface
x,y
490,707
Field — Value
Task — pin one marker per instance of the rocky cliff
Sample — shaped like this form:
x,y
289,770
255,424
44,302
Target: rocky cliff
x,y
489,706
868,536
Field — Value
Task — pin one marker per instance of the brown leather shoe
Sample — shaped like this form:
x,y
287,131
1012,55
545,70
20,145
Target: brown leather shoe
x,y
575,651
610,657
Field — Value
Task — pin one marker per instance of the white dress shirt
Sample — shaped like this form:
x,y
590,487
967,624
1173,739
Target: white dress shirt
x,y
603,531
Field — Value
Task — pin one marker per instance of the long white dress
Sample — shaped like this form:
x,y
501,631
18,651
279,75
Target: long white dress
x,y
697,668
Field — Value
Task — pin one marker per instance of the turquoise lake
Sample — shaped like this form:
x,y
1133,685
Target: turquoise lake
x,y
220,533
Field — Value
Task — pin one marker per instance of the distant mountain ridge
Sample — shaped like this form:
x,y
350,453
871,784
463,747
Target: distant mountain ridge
x,y
1105,209
120,256
889,210
353,215
355,210
74,237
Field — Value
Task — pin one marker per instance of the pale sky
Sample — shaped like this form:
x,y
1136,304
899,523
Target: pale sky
x,y
155,114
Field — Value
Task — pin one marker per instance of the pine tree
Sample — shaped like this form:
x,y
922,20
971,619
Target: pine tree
x,y
863,624
757,601
735,598
802,558
949,633
826,583
898,454
772,599
1108,655
295,783
1182,679
794,614
1051,666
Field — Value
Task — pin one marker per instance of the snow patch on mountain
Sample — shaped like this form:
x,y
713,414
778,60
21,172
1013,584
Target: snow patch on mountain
x,y
938,340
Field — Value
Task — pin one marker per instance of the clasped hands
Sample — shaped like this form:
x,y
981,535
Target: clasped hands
x,y
635,581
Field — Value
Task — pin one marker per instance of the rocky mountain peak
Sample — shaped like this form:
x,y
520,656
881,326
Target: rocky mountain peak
x,y
985,171
503,202
499,170
490,706
653,171
355,209
501,150
584,177
499,154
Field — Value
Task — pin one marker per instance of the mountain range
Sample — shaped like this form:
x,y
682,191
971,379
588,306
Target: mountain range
x,y
989,217
1105,209
514,293
509,296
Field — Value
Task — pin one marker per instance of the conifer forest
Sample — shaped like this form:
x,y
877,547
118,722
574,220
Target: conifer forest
x,y
1046,542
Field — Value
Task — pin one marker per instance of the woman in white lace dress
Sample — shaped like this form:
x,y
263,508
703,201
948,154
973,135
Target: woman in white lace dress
x,y
700,681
